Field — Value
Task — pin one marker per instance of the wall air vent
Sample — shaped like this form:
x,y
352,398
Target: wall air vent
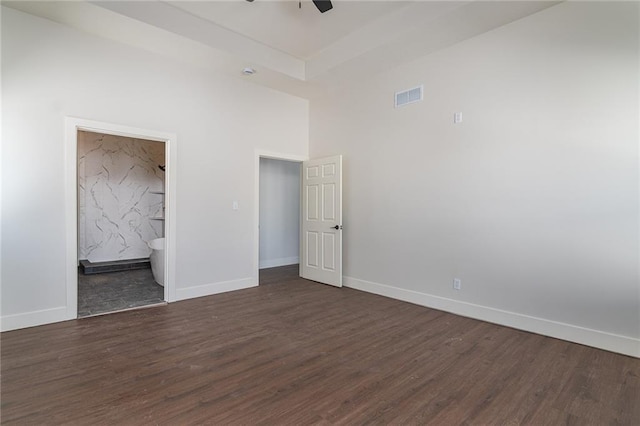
x,y
409,96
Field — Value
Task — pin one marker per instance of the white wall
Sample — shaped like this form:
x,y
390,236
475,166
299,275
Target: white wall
x,y
532,201
50,71
279,212
118,185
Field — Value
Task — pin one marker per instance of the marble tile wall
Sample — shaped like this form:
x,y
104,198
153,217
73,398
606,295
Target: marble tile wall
x,y
116,180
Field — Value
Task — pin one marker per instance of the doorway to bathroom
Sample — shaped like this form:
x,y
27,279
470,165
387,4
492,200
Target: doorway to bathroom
x,y
121,212
73,128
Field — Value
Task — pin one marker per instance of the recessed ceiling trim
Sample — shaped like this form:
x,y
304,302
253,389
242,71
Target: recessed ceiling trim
x,y
396,36
178,21
459,24
390,29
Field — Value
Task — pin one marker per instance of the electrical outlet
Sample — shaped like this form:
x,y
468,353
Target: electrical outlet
x,y
457,284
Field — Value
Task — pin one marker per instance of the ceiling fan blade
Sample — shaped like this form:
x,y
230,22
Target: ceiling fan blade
x,y
323,5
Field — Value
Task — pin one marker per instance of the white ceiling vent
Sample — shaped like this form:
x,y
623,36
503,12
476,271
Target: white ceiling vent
x,y
409,96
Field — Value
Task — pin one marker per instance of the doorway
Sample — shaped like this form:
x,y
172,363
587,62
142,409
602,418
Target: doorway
x,y
73,128
279,213
278,188
319,217
121,188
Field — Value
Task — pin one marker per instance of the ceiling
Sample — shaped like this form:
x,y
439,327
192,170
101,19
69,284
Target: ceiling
x,y
296,28
291,45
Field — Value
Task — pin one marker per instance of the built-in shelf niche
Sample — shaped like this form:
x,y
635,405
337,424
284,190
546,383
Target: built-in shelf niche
x,y
158,217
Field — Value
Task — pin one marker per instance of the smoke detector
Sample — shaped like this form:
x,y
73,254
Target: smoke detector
x,y
248,71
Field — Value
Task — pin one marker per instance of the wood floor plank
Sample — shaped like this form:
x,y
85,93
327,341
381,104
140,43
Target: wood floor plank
x,y
296,352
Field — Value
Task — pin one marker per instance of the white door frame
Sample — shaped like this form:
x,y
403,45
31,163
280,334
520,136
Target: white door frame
x,y
72,126
256,214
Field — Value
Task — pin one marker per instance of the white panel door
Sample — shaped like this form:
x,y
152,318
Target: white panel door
x,y
321,224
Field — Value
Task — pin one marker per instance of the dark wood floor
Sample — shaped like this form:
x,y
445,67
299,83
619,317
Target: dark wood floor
x,y
296,352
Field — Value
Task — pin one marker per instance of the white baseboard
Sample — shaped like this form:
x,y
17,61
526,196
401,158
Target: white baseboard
x,y
283,261
214,288
34,318
48,316
572,333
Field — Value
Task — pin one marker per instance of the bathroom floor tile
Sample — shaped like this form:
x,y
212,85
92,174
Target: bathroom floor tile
x,y
115,291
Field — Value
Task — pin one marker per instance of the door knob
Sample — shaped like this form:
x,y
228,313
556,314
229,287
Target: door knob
x,y
337,227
